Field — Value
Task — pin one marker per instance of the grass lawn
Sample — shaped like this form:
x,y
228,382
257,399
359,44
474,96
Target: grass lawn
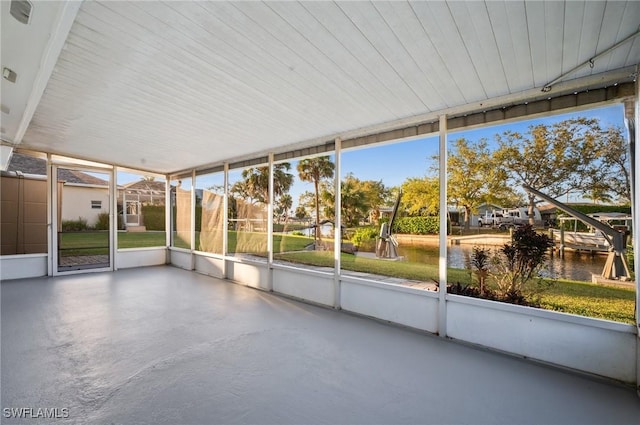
x,y
405,269
589,299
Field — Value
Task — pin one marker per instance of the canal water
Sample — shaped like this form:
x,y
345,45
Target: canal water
x,y
574,266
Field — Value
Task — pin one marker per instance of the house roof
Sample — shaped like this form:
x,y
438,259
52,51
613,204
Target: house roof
x,y
28,164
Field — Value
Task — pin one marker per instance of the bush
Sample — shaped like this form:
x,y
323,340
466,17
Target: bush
x,y
153,217
518,264
417,225
364,238
78,225
103,222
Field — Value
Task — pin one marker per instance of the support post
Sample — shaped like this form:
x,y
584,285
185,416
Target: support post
x,y
225,221
50,217
442,281
193,219
270,209
113,218
337,228
167,216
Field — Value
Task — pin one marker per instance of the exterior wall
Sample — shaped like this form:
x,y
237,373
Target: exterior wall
x,y
76,202
23,215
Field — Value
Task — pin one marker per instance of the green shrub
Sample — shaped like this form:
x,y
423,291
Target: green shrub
x,y
153,217
78,225
297,233
417,225
364,238
103,222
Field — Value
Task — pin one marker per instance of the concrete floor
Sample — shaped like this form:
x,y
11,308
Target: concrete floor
x,y
165,346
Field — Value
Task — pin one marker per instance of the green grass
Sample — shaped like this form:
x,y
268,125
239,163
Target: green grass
x,y
589,299
84,243
140,239
404,269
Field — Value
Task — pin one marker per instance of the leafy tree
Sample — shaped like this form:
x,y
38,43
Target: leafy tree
x,y
611,176
554,158
376,195
421,196
315,170
358,198
474,177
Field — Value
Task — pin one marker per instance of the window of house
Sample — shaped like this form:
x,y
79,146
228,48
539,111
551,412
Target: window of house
x,y
96,205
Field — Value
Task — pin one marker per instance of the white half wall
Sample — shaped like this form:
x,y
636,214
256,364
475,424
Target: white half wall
x,y
210,266
255,275
405,306
308,285
180,258
22,266
141,257
595,346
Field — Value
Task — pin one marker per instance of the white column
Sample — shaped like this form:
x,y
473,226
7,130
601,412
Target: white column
x,y
442,294
113,218
167,211
337,228
270,209
225,220
193,219
51,248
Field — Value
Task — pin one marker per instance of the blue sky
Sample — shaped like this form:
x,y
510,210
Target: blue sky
x,y
394,162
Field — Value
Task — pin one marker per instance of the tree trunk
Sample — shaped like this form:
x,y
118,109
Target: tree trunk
x,y
467,217
532,205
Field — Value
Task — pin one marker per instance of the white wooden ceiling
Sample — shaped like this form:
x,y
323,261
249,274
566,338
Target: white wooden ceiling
x,y
165,86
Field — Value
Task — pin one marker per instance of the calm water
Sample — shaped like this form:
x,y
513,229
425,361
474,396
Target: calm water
x,y
574,266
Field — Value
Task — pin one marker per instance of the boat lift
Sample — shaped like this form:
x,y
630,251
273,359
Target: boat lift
x,y
387,246
616,266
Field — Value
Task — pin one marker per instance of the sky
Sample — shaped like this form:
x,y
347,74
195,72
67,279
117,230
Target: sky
x,y
394,162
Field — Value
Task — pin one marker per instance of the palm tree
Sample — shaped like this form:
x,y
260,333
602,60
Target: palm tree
x,y
256,182
284,205
315,170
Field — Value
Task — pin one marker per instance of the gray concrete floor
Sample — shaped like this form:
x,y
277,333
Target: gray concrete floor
x,y
165,346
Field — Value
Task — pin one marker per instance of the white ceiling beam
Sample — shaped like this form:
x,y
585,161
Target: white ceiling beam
x,y
60,30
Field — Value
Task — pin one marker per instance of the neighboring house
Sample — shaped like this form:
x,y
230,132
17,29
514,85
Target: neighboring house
x,y
82,195
146,192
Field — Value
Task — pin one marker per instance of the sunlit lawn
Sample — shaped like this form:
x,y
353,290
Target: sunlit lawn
x,y
589,299
582,298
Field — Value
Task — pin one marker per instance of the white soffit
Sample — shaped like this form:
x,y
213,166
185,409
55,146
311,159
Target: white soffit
x,y
169,86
